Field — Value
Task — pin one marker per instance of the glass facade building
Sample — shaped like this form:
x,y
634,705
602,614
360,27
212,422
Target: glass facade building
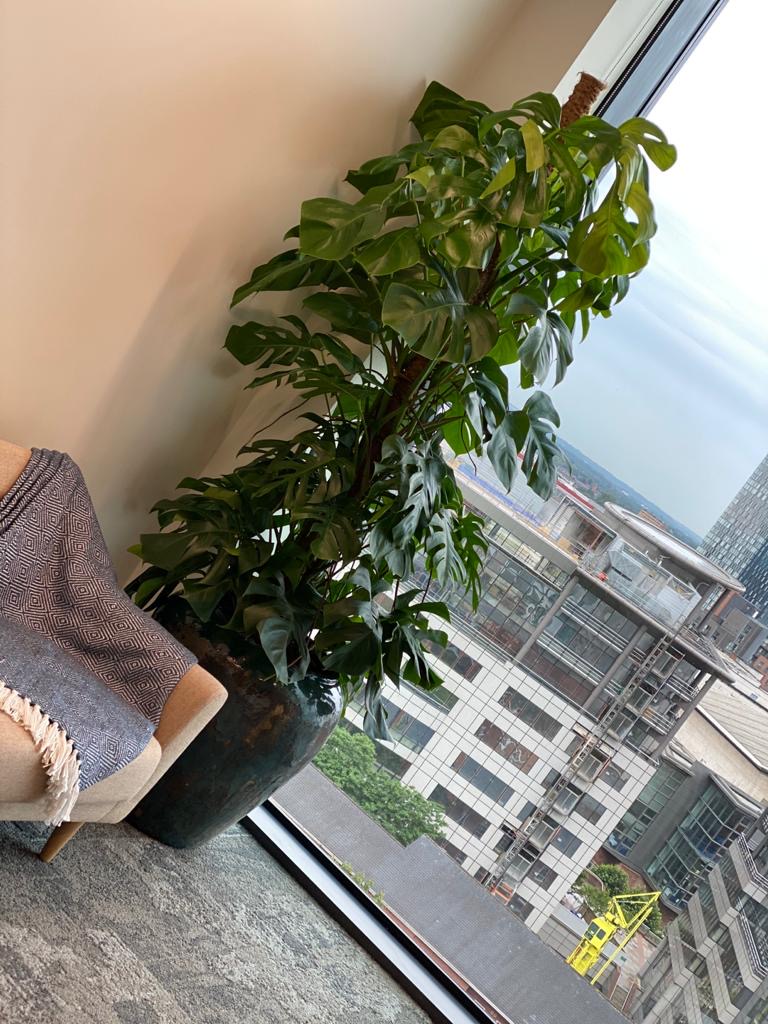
x,y
738,540
712,967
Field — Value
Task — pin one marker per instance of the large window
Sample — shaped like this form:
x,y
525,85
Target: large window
x,y
486,747
521,757
530,713
460,812
652,800
488,783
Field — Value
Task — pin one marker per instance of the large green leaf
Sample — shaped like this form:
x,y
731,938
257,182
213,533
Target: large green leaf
x,y
336,538
535,150
346,312
459,140
165,550
653,140
501,179
287,271
439,324
507,440
541,107
541,451
440,108
393,251
330,229
547,341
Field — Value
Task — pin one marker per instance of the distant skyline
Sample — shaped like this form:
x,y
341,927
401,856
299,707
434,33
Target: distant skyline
x,y
671,393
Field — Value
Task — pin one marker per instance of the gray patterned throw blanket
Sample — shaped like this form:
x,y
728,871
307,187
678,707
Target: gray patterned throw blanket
x,y
57,584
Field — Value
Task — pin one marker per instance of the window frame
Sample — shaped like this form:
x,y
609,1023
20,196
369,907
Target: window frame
x,y
646,76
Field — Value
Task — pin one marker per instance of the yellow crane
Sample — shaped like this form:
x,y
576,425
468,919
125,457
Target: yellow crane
x,y
626,912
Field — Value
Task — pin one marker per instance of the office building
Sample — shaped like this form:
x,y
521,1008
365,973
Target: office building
x,y
738,540
575,600
712,967
711,784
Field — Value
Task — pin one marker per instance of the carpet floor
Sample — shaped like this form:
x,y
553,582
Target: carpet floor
x,y
122,930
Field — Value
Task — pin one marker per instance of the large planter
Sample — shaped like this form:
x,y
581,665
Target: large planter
x,y
265,733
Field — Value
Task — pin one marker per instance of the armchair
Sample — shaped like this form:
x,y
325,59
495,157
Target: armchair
x,y
192,704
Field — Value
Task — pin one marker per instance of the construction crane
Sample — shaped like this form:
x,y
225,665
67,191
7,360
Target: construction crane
x,y
579,756
625,912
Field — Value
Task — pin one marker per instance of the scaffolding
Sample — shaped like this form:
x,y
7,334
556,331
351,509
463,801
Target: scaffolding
x,y
591,741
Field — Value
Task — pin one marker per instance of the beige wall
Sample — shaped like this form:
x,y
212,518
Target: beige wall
x,y
153,152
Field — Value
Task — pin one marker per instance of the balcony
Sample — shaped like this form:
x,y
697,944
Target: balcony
x,y
758,955
752,869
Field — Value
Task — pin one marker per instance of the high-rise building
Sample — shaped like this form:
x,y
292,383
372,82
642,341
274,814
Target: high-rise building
x,y
712,967
734,626
710,785
562,689
738,541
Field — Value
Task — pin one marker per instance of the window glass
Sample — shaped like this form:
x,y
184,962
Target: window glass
x,y
589,808
482,779
530,713
459,811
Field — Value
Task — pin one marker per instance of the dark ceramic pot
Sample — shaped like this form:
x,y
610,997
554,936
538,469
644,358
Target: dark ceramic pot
x,y
265,733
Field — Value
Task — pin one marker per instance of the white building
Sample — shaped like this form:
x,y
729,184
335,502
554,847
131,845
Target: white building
x,y
571,608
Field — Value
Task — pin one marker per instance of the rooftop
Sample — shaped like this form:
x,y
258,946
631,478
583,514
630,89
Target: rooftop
x,y
740,718
675,549
480,939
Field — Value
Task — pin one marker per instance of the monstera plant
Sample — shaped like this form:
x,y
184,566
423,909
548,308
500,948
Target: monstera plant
x,y
433,307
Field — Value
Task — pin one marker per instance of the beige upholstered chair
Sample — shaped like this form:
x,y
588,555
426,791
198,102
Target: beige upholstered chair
x,y
191,706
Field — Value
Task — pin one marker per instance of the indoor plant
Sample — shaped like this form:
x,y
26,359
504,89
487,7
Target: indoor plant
x,y
471,256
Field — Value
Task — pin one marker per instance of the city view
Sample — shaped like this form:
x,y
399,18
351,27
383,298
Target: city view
x,y
602,727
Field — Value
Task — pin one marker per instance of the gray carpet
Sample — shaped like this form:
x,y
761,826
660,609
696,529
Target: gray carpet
x,y
122,930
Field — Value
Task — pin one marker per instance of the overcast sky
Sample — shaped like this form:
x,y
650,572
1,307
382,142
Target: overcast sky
x,y
671,393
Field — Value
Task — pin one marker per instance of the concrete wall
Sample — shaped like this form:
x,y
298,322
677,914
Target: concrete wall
x,y
153,153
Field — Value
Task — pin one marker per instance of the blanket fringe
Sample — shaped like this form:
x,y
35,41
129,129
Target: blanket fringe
x,y
57,752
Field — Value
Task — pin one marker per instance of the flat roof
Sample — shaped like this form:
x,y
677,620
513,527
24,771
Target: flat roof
x,y
682,553
742,719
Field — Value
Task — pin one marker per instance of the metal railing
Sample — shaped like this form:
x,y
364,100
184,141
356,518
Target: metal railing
x,y
756,960
754,872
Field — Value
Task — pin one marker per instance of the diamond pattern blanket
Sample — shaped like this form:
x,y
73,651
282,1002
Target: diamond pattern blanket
x,y
57,581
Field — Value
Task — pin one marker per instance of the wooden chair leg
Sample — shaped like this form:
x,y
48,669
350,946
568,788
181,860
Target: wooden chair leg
x,y
58,839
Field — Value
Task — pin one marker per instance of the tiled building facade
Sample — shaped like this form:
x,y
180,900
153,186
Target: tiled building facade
x,y
528,675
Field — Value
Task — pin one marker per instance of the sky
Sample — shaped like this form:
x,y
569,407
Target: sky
x,y
671,393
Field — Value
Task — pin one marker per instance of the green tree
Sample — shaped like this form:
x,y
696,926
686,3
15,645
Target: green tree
x,y
350,762
616,882
614,878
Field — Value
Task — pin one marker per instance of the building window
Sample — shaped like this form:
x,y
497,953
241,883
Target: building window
x,y
488,783
406,729
453,851
455,658
542,874
518,755
520,907
385,758
530,713
526,811
550,778
733,979
460,812
665,782
614,777
566,842
441,697
589,808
